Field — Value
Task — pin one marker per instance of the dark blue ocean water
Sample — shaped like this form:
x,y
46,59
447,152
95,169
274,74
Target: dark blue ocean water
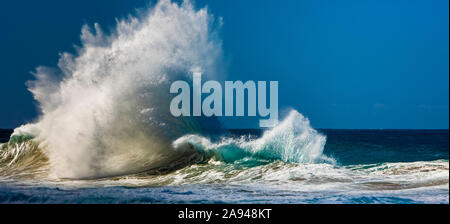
x,y
350,147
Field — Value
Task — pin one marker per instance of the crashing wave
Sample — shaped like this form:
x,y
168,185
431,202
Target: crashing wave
x,y
105,110
293,140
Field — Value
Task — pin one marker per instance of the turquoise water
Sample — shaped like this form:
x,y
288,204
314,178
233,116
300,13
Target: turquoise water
x,y
363,166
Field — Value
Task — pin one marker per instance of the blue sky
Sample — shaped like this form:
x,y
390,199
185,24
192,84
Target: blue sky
x,y
343,64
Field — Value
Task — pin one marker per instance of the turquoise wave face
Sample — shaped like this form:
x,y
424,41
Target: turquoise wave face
x,y
292,140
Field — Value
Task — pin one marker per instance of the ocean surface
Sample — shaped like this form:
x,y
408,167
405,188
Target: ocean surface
x,y
362,166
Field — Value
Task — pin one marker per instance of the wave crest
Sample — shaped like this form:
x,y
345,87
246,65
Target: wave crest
x,y
292,140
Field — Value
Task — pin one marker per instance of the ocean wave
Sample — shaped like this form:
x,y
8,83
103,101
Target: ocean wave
x,y
293,140
23,160
105,109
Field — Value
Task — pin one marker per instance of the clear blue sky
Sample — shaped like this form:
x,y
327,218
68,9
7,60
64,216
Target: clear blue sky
x,y
343,64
